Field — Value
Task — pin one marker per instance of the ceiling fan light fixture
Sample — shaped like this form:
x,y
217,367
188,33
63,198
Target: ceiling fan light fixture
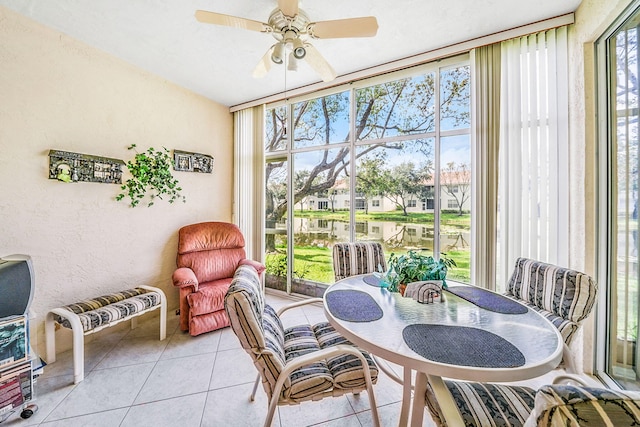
x,y
278,53
298,49
292,28
292,64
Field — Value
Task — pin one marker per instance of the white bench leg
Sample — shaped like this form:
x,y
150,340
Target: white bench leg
x,y
78,340
163,309
163,318
50,337
78,355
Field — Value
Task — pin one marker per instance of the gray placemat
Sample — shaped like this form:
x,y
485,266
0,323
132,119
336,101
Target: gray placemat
x,y
488,300
353,306
373,280
462,345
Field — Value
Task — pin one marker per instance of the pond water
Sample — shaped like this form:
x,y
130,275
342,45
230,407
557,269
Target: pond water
x,y
314,238
392,235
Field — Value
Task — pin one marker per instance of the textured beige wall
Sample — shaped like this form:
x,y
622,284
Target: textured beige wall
x,y
57,93
593,17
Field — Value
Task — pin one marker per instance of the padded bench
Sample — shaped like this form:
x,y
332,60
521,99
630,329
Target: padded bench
x,y
90,316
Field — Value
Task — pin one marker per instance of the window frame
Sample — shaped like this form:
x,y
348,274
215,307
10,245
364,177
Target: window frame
x,y
606,193
289,150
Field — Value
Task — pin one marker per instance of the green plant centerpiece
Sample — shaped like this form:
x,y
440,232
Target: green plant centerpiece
x,y
151,175
414,266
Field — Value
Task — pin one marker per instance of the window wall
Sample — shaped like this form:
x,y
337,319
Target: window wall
x,y
366,162
618,72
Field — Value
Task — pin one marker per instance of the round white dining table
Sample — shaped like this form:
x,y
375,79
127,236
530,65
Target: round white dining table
x,y
393,327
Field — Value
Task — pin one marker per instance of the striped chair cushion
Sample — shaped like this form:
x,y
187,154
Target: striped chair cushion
x,y
106,309
571,406
350,259
261,334
310,379
256,325
271,360
346,370
552,405
567,328
566,294
486,404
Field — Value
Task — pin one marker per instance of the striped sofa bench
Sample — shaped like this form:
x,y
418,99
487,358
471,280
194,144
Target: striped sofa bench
x,y
90,316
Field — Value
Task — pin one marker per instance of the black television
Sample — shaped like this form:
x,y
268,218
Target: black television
x,y
17,285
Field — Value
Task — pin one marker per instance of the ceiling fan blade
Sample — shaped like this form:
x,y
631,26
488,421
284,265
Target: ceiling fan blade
x,y
366,26
264,65
288,7
319,64
230,21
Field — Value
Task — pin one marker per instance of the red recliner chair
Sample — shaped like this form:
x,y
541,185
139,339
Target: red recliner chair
x,y
208,255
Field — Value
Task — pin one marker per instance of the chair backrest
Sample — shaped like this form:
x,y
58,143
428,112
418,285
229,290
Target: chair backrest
x,y
564,292
257,326
568,294
565,405
213,250
350,259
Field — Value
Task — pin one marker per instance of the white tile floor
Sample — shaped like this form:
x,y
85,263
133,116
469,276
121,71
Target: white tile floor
x,y
133,379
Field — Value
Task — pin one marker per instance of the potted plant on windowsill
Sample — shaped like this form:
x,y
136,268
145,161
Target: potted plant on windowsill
x,y
414,266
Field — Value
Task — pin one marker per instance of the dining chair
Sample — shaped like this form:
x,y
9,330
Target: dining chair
x,y
567,405
299,363
565,297
350,259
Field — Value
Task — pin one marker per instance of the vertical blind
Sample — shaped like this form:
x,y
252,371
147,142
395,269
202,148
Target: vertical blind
x,y
485,145
248,199
534,160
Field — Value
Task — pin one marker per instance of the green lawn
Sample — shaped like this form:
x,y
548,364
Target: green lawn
x,y
315,263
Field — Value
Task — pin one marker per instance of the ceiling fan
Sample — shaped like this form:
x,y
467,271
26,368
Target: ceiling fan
x,y
292,29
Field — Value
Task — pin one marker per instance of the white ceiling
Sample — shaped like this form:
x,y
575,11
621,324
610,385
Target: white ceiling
x,y
163,37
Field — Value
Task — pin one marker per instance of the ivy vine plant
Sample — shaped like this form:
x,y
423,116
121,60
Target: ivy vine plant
x,y
151,175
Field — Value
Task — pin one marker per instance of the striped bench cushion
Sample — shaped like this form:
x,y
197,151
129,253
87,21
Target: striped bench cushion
x,y
483,404
106,309
350,259
565,405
